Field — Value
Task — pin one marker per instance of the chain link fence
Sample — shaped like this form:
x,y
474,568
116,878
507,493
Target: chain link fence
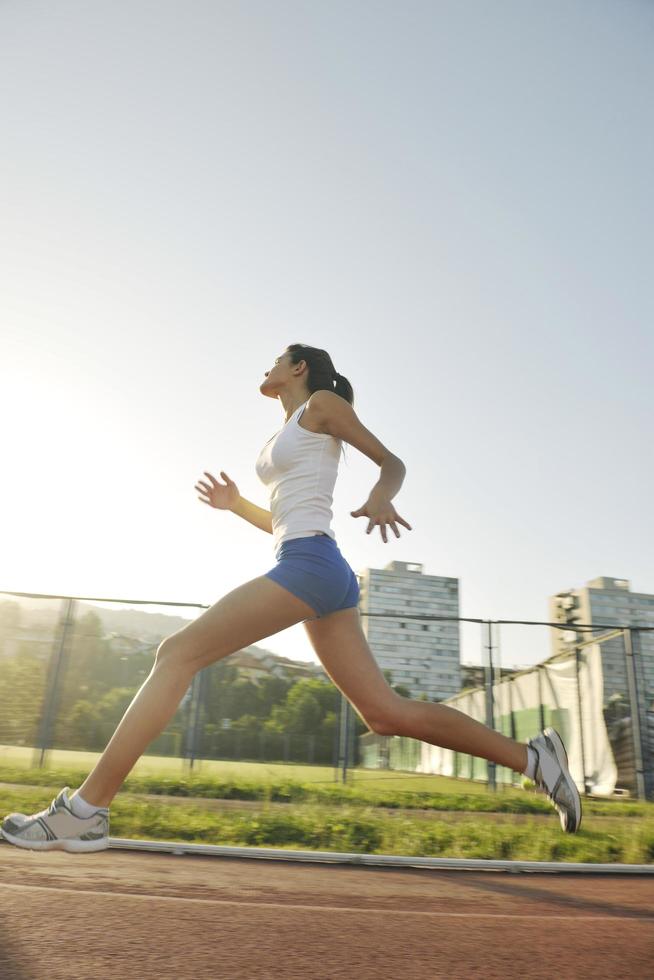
x,y
598,694
69,668
69,671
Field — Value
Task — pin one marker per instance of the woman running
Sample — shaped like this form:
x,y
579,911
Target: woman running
x,y
311,583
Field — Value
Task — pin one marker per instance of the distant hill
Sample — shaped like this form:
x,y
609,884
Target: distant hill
x,y
140,625
144,625
135,622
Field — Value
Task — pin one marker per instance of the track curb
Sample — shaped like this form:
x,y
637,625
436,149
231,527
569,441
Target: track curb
x,y
378,860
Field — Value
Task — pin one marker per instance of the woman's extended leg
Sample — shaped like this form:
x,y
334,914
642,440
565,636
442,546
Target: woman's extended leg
x,y
249,613
341,645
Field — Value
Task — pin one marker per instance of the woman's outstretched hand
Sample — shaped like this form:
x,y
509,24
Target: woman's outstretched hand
x,y
379,510
224,497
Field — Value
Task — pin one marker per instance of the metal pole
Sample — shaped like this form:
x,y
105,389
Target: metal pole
x,y
188,729
344,739
541,709
337,735
54,672
581,724
511,718
198,697
635,712
497,700
488,674
351,737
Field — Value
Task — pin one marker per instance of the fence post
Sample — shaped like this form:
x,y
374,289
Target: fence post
x,y
541,710
632,685
509,684
337,735
488,674
52,680
201,677
343,731
346,738
581,721
193,718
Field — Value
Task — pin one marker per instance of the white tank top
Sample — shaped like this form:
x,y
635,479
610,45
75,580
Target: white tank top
x,y
299,468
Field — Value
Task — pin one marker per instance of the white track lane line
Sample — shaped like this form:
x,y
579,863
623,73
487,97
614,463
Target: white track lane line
x,y
330,908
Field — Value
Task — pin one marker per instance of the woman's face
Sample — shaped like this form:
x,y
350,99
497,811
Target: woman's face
x,y
274,376
284,375
275,368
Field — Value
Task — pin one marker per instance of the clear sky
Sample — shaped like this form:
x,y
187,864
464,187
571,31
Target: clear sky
x,y
453,198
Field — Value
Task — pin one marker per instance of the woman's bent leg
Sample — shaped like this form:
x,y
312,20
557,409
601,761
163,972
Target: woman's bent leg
x,y
343,649
452,729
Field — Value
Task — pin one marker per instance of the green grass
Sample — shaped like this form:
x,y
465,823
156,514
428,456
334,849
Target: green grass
x,y
18,757
362,828
295,791
381,812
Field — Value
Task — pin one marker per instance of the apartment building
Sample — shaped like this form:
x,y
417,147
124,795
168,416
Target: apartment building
x,y
422,655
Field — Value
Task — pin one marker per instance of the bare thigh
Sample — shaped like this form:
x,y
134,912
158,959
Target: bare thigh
x,y
340,643
249,613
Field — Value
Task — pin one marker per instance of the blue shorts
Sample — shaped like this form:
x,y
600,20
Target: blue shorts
x,y
314,569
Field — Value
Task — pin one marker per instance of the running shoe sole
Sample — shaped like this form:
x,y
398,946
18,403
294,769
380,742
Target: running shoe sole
x,y
63,844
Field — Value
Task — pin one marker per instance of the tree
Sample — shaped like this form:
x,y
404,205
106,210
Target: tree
x,y
304,710
84,728
308,702
89,667
247,723
239,699
271,691
22,681
398,688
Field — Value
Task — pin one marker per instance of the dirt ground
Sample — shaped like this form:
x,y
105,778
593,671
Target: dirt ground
x,y
148,915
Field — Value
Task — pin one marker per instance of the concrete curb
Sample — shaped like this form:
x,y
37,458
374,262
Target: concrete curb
x,y
379,860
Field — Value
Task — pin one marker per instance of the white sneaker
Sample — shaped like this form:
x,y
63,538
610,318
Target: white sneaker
x,y
58,828
553,778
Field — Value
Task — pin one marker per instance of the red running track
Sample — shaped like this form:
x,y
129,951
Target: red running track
x,y
142,916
